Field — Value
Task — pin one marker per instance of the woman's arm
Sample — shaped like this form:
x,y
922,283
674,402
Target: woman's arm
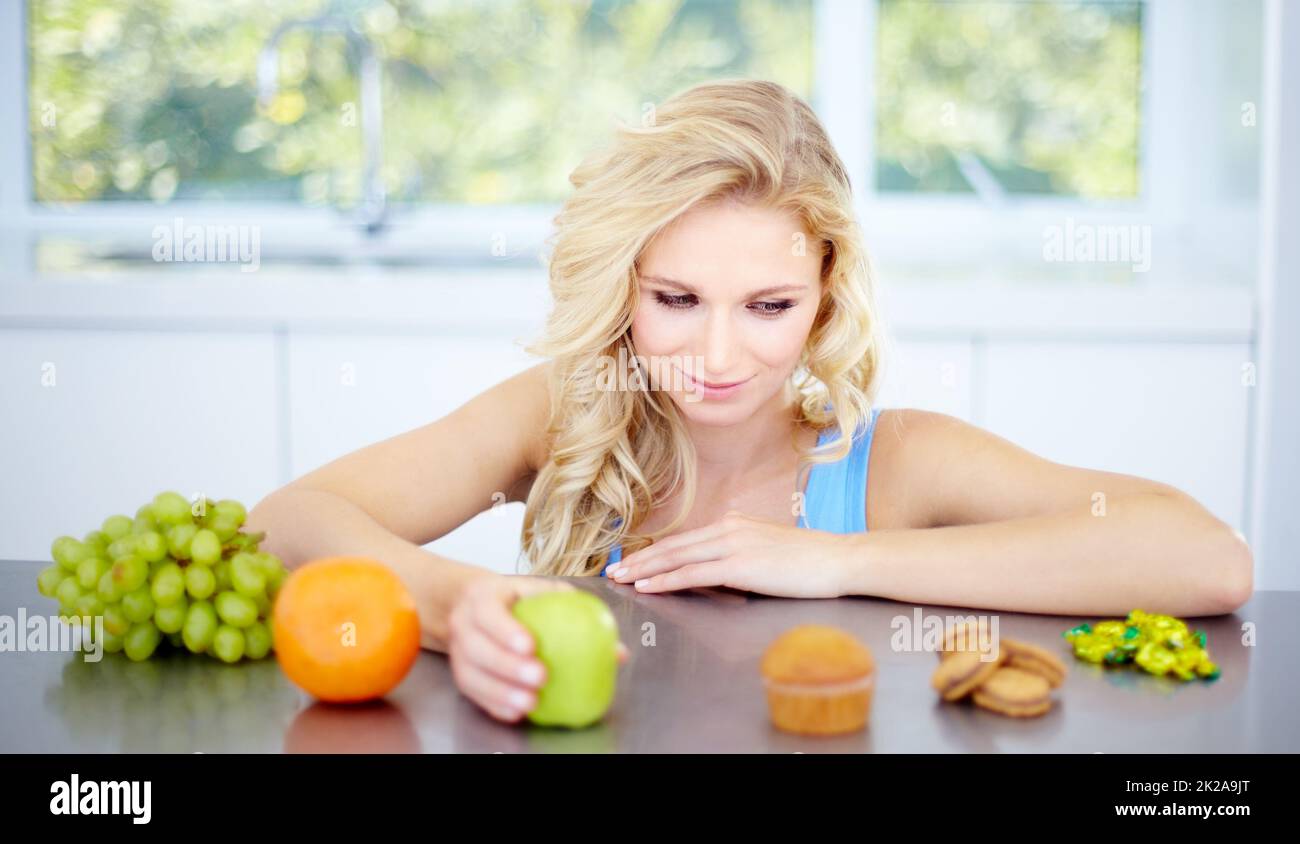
x,y
388,499
304,524
969,519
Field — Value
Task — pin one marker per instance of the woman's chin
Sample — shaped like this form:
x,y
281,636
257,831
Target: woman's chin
x,y
711,412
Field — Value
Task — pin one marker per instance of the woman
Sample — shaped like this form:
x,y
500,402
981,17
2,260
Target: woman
x,y
713,335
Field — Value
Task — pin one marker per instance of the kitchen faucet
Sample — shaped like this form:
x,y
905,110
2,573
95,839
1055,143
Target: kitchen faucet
x,y
372,211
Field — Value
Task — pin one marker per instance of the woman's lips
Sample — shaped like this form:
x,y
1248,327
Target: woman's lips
x,y
713,390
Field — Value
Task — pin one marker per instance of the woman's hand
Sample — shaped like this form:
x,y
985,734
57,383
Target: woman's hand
x,y
742,553
492,655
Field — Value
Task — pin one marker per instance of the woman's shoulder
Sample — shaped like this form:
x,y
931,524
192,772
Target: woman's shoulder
x,y
907,444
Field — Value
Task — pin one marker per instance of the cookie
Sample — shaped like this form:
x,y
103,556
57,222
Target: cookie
x,y
961,637
1014,692
1035,660
962,672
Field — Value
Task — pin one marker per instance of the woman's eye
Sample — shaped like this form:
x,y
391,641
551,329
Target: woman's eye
x,y
684,300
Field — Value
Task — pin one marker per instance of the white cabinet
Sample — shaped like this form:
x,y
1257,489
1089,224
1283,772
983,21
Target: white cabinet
x,y
348,391
1173,412
97,422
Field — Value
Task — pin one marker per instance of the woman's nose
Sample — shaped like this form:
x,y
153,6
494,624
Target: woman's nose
x,y
719,347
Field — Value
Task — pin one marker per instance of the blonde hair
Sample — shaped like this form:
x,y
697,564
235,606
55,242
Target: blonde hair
x,y
615,454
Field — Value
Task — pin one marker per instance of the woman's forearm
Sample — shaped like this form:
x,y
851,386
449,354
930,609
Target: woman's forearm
x,y
306,524
1161,553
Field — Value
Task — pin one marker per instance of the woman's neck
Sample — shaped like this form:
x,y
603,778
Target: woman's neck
x,y
731,456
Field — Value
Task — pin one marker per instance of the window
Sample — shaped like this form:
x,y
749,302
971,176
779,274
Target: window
x,y
487,102
973,124
1008,97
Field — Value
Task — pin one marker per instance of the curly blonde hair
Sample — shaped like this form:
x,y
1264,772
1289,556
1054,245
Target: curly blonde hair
x,y
616,454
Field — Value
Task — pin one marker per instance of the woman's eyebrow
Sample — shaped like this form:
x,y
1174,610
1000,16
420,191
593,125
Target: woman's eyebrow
x,y
780,288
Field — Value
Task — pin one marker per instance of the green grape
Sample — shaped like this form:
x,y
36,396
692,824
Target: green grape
x,y
171,508
221,571
245,576
200,582
276,581
171,618
115,620
69,552
47,582
97,541
150,546
200,626
257,640
119,548
90,570
88,605
130,573
116,527
138,605
107,589
205,549
68,592
141,641
232,509
179,539
143,524
112,643
168,585
263,605
158,565
228,642
235,609
223,526
145,511
268,563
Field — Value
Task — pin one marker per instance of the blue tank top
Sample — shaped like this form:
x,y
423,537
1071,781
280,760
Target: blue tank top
x,y
835,499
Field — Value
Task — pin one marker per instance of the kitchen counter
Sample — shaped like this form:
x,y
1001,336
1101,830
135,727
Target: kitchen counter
x,y
691,685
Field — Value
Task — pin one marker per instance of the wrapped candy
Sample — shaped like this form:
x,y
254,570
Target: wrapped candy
x,y
1158,644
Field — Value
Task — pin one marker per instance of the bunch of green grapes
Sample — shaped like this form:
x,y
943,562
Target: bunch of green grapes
x,y
185,574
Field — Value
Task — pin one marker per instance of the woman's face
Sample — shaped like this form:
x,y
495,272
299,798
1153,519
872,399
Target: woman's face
x,y
728,294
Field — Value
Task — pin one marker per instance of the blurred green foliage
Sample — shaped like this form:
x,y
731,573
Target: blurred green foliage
x,y
1044,95
496,101
484,102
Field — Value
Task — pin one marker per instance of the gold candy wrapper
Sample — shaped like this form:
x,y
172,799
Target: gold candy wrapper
x,y
1158,644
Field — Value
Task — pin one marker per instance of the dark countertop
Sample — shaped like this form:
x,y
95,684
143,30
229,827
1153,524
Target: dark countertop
x,y
696,688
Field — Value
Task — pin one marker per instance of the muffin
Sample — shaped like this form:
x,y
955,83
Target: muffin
x,y
819,680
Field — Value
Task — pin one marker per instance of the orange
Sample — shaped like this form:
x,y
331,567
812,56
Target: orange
x,y
345,629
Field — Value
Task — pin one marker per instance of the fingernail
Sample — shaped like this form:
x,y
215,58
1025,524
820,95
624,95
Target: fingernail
x,y
531,673
641,584
520,644
521,700
614,571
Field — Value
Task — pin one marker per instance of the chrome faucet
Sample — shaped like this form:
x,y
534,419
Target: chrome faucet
x,y
372,211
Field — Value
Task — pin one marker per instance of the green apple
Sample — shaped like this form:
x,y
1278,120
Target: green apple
x,y
577,641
